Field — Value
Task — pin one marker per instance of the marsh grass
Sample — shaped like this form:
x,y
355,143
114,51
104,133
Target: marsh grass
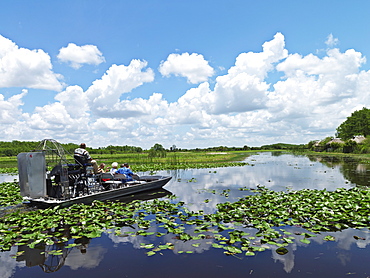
x,y
142,162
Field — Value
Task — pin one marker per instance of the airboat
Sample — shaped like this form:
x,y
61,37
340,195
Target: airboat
x,y
48,178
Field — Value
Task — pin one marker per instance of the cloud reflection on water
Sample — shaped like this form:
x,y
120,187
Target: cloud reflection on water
x,y
194,186
8,265
89,259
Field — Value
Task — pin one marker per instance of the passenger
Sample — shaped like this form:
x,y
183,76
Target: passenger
x,y
125,169
81,155
101,168
121,169
114,167
95,166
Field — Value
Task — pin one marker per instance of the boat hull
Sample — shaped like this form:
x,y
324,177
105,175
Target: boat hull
x,y
152,183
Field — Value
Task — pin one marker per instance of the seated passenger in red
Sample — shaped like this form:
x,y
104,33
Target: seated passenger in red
x,y
125,169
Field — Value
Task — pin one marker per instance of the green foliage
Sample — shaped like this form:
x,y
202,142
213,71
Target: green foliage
x,y
325,141
356,124
157,151
364,147
140,162
283,146
15,147
116,149
311,144
9,194
349,146
336,146
267,212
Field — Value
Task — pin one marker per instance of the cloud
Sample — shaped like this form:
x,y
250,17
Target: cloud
x,y
21,67
68,118
259,64
242,89
331,41
74,100
316,88
79,55
242,107
10,109
191,66
104,94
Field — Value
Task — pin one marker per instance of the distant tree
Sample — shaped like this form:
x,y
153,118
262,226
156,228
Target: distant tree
x,y
311,144
157,151
9,152
335,146
349,146
357,124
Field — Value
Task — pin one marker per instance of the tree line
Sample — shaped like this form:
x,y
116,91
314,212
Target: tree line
x,y
15,147
356,125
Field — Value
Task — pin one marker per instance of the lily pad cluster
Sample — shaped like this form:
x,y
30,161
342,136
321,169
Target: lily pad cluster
x,y
314,210
249,225
8,170
9,194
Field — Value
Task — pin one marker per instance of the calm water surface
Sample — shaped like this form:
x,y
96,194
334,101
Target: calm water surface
x,y
115,256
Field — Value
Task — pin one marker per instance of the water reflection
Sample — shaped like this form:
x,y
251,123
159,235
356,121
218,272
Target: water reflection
x,y
203,189
8,264
277,172
85,257
8,178
43,256
339,252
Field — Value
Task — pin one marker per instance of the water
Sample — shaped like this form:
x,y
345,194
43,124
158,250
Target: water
x,y
117,256
8,178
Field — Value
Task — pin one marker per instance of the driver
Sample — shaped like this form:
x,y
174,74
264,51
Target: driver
x,y
81,155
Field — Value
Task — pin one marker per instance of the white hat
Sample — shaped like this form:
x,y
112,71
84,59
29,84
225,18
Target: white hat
x,y
115,164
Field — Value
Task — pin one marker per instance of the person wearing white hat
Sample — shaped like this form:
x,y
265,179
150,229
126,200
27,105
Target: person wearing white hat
x,y
114,167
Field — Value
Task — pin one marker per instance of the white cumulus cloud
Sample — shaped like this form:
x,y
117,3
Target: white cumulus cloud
x,y
10,108
104,94
191,66
331,41
21,67
312,96
79,55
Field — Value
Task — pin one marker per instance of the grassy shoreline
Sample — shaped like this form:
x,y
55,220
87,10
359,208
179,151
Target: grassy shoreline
x,y
361,157
140,162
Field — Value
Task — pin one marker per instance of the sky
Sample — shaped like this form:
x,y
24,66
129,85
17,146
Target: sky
x,y
190,74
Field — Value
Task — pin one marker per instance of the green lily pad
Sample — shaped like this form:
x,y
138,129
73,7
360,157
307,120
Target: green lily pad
x,y
282,251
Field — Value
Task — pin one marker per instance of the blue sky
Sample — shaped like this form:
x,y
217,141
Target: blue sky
x,y
185,73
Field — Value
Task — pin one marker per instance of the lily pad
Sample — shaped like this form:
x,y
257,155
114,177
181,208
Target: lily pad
x,y
282,251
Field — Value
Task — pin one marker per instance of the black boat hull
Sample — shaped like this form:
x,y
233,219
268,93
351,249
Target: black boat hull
x,y
150,184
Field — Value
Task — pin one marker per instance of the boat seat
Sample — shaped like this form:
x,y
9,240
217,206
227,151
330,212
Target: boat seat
x,y
121,177
107,180
81,162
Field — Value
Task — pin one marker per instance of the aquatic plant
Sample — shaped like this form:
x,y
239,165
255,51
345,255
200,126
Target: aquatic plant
x,y
266,212
8,170
9,194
